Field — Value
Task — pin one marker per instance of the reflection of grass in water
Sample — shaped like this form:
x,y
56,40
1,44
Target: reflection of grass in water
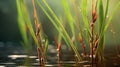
x,y
95,38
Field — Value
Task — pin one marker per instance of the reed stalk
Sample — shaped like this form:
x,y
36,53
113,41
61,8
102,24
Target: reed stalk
x,y
115,39
58,44
94,18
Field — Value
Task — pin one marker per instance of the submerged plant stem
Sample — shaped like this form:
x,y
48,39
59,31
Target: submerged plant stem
x,y
58,44
39,57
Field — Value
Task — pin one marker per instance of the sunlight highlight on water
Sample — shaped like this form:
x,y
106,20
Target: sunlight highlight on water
x,y
20,56
2,66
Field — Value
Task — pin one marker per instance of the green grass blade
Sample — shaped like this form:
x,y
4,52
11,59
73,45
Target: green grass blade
x,y
46,47
84,15
101,45
111,16
69,16
22,25
106,10
101,16
28,22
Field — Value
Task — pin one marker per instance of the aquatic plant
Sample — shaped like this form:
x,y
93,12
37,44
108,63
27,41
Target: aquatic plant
x,y
93,36
38,37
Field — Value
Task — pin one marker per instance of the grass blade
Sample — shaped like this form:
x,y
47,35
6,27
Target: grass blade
x,y
111,16
101,16
28,22
69,16
84,15
106,11
22,24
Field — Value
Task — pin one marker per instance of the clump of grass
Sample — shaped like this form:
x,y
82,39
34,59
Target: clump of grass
x,y
59,26
24,21
97,39
94,38
103,25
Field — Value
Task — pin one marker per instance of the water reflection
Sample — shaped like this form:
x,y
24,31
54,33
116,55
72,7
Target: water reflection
x,y
17,56
9,63
19,60
2,66
13,55
20,56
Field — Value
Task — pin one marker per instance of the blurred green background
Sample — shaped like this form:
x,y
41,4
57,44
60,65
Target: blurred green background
x,y
8,21
9,30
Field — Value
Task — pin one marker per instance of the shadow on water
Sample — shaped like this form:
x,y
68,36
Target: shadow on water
x,y
14,56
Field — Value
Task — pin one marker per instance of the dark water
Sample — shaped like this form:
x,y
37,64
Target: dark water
x,y
14,55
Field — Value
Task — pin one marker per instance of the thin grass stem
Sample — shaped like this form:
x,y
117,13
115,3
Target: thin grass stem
x,y
114,37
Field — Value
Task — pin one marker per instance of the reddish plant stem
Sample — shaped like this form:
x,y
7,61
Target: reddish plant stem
x,y
83,44
58,44
115,39
39,57
59,50
94,18
92,33
38,29
92,43
96,44
77,14
35,14
43,56
78,20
